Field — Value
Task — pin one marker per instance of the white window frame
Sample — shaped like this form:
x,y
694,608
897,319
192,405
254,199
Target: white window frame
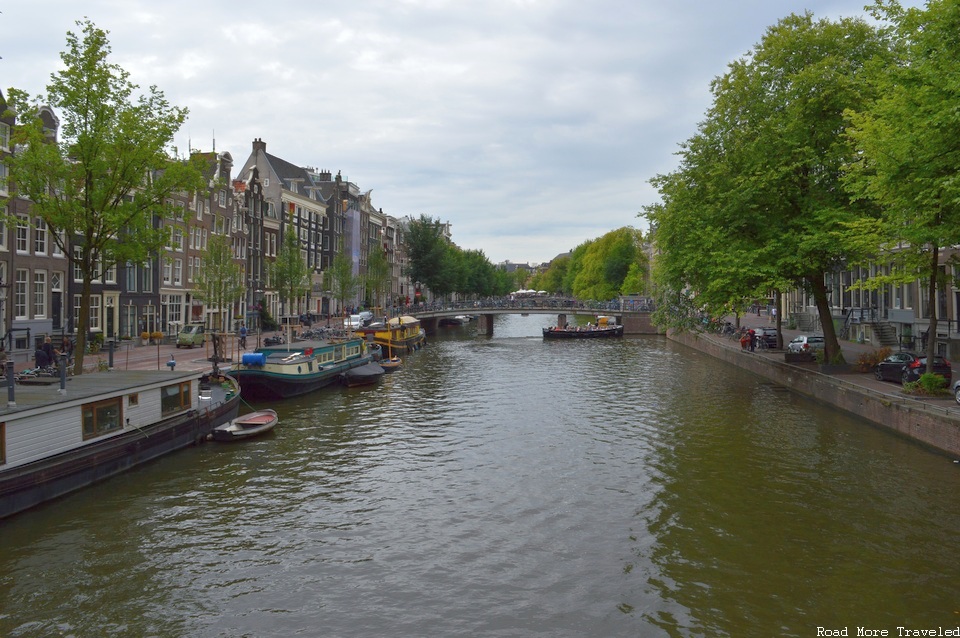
x,y
55,249
39,294
39,236
21,297
147,272
3,231
77,257
23,235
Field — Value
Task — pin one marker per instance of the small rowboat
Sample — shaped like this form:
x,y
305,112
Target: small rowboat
x,y
391,364
245,426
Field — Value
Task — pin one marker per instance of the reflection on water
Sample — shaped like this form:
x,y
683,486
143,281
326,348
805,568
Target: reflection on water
x,y
503,487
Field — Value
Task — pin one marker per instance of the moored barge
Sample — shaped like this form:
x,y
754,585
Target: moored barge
x,y
58,438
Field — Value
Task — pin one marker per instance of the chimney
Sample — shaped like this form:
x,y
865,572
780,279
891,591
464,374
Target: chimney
x,y
259,145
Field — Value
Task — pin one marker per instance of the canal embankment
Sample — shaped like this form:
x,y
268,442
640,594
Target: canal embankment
x,y
933,422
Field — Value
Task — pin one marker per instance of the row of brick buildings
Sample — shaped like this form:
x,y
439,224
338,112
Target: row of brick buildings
x,y
253,204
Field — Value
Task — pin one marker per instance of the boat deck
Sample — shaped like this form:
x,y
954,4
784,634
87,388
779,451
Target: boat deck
x,y
45,391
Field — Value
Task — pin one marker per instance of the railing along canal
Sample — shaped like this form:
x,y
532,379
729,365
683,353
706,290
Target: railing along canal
x,y
535,304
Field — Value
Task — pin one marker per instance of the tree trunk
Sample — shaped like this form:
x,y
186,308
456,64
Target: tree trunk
x,y
932,305
83,325
777,300
831,352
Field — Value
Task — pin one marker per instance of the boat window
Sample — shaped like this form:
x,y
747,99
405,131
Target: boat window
x,y
101,417
175,398
133,398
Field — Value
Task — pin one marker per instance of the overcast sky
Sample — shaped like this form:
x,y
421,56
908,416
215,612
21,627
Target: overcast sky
x,y
530,125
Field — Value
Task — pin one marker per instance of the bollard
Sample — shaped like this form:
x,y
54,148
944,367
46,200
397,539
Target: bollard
x,y
63,374
11,380
172,363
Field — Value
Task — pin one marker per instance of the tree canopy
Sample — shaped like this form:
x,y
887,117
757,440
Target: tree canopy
x,y
757,202
220,281
445,268
289,272
103,186
378,276
909,148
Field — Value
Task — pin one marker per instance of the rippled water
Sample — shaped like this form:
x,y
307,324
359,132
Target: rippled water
x,y
509,487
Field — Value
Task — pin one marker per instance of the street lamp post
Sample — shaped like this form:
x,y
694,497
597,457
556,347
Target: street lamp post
x,y
3,314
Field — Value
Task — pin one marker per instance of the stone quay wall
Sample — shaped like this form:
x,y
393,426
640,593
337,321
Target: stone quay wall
x,y
935,423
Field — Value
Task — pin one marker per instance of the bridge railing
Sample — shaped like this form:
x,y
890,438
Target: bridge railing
x,y
528,303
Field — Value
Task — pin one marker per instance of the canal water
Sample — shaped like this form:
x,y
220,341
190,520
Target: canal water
x,y
509,486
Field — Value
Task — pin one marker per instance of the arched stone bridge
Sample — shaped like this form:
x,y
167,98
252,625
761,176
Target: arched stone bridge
x,y
635,321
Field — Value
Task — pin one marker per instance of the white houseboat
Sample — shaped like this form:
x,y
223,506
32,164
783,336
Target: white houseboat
x,y
57,436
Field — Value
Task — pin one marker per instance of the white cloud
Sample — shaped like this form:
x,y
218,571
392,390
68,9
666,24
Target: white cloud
x,y
530,125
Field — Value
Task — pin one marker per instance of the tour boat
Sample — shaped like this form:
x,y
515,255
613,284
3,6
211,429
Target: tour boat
x,y
604,328
55,440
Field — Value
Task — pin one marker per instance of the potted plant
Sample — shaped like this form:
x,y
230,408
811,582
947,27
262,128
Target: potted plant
x,y
144,338
95,343
157,336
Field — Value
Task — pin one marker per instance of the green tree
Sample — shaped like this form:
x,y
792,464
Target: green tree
x,y
426,252
103,186
220,281
552,278
378,276
598,267
503,284
909,143
635,280
289,272
520,278
343,283
478,273
575,265
758,203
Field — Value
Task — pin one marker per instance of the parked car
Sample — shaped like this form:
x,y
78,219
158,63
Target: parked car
x,y
806,343
769,335
956,391
191,335
906,367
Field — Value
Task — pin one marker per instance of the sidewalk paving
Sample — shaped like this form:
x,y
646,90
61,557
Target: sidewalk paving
x,y
130,355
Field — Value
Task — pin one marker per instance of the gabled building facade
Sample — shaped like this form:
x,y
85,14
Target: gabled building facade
x,y
253,207
288,200
35,292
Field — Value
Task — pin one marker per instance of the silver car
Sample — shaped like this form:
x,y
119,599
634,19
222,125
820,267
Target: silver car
x,y
806,343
